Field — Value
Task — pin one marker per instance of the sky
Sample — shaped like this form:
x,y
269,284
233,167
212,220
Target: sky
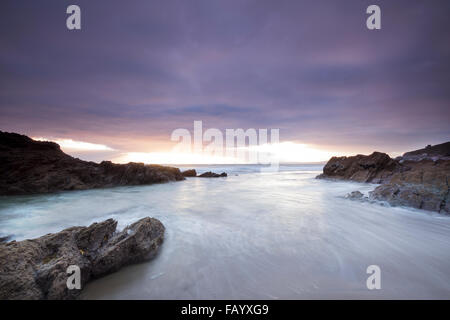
x,y
138,70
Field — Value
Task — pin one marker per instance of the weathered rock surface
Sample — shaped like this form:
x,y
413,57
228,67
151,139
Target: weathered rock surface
x,y
422,184
418,179
36,269
29,166
210,174
375,168
355,195
189,173
436,152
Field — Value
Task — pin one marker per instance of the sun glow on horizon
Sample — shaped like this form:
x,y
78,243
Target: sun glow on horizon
x,y
70,144
173,158
284,152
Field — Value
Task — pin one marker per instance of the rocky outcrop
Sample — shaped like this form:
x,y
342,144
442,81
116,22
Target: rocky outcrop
x,y
37,269
436,152
375,168
355,195
421,184
5,239
189,173
30,166
418,179
210,174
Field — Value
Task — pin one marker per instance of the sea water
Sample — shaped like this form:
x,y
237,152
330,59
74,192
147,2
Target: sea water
x,y
254,235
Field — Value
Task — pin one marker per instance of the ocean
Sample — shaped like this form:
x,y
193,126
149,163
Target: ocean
x,y
254,235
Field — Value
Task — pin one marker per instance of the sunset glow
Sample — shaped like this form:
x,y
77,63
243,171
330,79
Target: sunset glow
x,y
285,152
69,144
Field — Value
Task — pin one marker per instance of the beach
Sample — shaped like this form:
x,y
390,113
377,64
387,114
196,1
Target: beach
x,y
254,235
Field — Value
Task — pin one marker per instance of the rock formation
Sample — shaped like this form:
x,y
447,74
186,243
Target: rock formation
x,y
30,166
210,174
5,239
420,184
189,173
439,151
375,168
418,179
36,269
355,195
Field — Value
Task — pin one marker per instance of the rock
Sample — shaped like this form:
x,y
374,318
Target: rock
x,y
36,269
421,184
440,150
189,173
418,179
5,239
375,168
30,166
433,153
210,174
415,196
355,195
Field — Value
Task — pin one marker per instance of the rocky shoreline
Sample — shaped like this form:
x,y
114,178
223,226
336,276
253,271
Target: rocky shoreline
x,y
37,268
30,167
33,167
418,179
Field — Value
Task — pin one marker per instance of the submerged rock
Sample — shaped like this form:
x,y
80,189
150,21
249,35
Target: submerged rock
x,y
355,195
210,174
36,269
30,166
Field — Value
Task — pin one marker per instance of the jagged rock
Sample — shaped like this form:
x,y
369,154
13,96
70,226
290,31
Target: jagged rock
x,y
210,174
36,269
422,184
433,153
355,195
438,151
189,173
30,166
415,196
375,168
418,179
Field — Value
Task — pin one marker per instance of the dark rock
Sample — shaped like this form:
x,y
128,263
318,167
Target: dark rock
x,y
30,166
5,239
210,174
434,153
355,195
36,269
440,150
425,185
375,168
418,179
189,173
415,196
